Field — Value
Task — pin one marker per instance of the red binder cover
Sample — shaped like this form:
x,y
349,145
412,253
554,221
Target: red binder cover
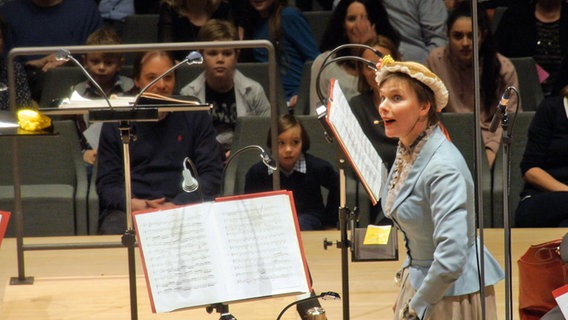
x,y
4,218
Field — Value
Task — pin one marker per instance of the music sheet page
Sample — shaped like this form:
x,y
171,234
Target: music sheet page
x,y
367,163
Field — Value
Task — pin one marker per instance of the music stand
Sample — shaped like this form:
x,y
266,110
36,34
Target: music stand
x,y
125,116
20,246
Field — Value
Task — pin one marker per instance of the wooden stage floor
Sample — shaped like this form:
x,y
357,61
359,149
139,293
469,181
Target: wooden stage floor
x,y
93,284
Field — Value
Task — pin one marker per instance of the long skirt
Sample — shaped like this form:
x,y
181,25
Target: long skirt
x,y
464,307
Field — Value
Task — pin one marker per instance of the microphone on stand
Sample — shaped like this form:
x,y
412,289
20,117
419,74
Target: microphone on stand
x,y
193,57
190,184
501,109
268,161
65,55
321,111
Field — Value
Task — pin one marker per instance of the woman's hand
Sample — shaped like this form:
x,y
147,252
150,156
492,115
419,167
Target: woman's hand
x,y
407,313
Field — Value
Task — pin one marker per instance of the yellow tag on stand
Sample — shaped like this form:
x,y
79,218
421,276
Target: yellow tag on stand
x,y
377,235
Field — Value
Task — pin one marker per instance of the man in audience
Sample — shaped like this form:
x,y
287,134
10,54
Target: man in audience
x,y
157,155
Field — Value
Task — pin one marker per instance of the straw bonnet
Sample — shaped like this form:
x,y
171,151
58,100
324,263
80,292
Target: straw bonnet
x,y
417,71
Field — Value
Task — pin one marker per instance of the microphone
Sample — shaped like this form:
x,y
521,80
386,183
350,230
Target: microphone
x,y
65,55
321,111
268,161
501,109
193,57
189,183
325,63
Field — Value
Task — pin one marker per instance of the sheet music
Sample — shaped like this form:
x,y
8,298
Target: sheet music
x,y
92,134
78,101
179,256
223,251
367,163
262,250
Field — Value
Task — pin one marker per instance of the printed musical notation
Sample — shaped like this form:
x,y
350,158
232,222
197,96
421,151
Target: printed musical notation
x,y
229,250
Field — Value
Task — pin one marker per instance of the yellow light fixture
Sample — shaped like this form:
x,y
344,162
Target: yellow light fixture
x,y
33,120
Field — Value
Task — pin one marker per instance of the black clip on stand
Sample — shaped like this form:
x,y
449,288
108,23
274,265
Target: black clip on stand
x,y
222,309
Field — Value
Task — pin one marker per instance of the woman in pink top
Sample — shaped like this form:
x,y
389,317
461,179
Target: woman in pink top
x,y
453,63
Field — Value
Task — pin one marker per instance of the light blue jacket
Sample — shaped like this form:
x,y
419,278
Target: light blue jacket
x,y
249,94
435,212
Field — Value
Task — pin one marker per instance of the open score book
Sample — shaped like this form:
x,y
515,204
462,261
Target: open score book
x,y
236,248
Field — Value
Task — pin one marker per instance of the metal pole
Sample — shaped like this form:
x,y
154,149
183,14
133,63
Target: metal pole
x,y
478,155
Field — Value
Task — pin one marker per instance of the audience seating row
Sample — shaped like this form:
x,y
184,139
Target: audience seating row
x,y
53,182
143,28
56,201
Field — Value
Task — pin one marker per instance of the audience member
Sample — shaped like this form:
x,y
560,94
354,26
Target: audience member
x,y
180,20
352,22
301,173
430,196
39,23
537,29
291,35
23,95
221,84
105,69
421,25
544,199
453,63
157,155
114,12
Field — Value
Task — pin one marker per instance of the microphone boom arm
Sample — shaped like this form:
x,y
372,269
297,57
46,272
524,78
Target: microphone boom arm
x,y
325,63
65,55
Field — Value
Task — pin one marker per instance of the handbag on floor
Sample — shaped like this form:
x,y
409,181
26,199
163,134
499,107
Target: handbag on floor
x,y
541,270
